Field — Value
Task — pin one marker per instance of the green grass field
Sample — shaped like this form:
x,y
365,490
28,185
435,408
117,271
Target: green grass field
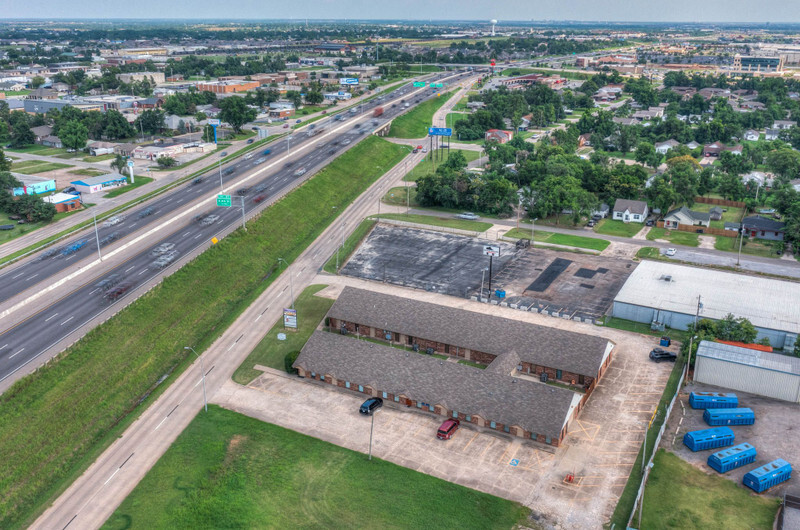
x,y
648,252
752,247
555,238
611,227
688,239
427,165
678,495
139,181
272,352
99,158
21,230
415,123
350,244
34,167
87,172
401,196
52,422
732,215
227,470
446,222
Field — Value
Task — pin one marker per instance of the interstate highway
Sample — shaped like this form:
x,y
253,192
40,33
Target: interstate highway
x,y
52,323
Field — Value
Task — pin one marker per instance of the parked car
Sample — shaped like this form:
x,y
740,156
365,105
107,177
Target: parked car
x,y
591,223
448,429
250,141
469,216
649,222
659,355
370,406
285,125
670,252
69,189
298,121
300,172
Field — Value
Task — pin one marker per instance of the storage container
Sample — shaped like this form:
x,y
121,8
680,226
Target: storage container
x,y
733,457
708,438
713,400
738,416
765,477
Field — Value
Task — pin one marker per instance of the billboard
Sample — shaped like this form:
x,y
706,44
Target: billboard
x,y
440,131
348,81
290,318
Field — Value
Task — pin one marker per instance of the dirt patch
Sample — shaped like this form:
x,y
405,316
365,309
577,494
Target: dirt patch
x,y
621,250
234,447
706,241
642,234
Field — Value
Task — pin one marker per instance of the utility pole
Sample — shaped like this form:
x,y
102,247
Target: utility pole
x,y
97,237
243,221
741,238
691,339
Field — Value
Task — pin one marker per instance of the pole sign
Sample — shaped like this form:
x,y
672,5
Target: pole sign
x,y
348,81
440,131
224,201
418,84
290,318
490,250
213,123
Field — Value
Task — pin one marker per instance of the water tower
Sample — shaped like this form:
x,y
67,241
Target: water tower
x,y
493,22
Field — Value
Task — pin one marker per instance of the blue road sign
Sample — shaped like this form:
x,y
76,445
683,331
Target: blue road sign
x,y
514,462
440,131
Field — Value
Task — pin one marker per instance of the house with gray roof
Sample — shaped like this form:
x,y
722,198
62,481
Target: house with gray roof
x,y
687,217
490,398
759,227
627,210
565,356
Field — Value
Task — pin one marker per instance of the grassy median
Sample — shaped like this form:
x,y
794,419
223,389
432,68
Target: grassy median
x,y
55,421
415,123
227,470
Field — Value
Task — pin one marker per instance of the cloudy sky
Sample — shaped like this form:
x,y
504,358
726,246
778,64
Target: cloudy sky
x,y
775,11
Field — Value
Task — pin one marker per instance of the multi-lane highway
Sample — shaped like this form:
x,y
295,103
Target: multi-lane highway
x,y
102,288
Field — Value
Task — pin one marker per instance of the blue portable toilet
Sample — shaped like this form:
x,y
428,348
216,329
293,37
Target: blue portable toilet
x,y
713,400
738,416
765,477
733,457
500,293
708,438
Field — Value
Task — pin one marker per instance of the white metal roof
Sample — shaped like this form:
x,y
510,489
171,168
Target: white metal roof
x,y
759,359
765,302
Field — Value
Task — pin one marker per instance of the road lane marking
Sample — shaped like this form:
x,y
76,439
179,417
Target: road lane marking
x,y
130,269
31,277
18,275
198,235
20,351
186,233
3,346
92,292
51,317
143,271
67,320
112,476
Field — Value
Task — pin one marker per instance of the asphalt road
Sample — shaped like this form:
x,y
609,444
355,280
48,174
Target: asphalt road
x,y
57,319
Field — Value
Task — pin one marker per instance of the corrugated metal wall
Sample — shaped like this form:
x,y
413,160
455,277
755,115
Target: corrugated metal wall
x,y
746,378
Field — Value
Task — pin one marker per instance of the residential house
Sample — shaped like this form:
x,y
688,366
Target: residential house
x,y
61,87
686,92
685,216
42,93
41,132
584,139
51,141
627,211
12,86
101,148
751,136
693,145
784,124
772,134
759,178
151,103
664,147
499,136
625,121
475,105
759,227
709,93
716,148
715,212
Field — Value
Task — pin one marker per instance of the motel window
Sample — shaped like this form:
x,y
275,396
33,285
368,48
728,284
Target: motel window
x,y
313,375
322,378
385,395
356,326
360,388
347,384
468,417
581,379
506,428
455,414
534,436
493,425
447,349
547,439
419,405
430,408
397,398
558,374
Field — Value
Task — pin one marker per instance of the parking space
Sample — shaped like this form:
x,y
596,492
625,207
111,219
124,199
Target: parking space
x,y
598,452
773,434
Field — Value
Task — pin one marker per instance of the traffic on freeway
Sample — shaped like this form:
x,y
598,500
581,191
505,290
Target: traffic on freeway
x,y
96,293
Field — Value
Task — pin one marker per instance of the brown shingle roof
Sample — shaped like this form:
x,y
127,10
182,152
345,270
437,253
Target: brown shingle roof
x,y
554,348
534,406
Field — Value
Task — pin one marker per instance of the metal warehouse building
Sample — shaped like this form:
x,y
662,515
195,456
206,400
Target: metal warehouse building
x,y
753,371
667,294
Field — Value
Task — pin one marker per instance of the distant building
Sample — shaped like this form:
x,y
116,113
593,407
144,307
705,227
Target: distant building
x,y
227,87
156,77
664,147
33,185
754,64
498,135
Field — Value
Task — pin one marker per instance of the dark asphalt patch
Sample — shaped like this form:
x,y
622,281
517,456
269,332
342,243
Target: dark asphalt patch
x,y
549,275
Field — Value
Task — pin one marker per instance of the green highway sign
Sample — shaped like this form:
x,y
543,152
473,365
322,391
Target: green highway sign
x,y
224,201
418,84
436,85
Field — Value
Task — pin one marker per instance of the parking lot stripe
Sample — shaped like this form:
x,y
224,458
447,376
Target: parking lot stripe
x,y
469,442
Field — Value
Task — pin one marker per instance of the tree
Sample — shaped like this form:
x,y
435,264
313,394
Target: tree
x,y
119,163
293,96
731,187
646,155
5,165
166,161
661,194
784,162
735,329
115,126
37,81
73,135
314,97
235,111
22,135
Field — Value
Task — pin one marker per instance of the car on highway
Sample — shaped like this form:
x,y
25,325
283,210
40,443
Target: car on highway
x,y
261,160
259,198
370,406
241,192
144,213
248,156
357,126
448,429
266,152
659,354
113,221
110,238
209,220
228,171
298,121
116,292
300,172
331,151
419,147
670,252
198,180
469,216
260,188
285,125
165,260
346,142
163,248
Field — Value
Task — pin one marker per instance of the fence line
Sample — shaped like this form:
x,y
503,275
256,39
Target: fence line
x,y
697,229
409,224
720,202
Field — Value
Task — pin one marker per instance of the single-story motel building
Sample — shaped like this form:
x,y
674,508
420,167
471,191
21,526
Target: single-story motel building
x,y
64,202
99,183
667,294
507,395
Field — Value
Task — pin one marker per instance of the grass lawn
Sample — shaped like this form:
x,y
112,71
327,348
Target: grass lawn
x,y
52,423
350,244
752,247
462,104
559,239
227,470
427,166
87,172
611,227
682,496
271,351
415,123
688,239
447,222
33,167
648,252
138,181
401,196
473,364
100,158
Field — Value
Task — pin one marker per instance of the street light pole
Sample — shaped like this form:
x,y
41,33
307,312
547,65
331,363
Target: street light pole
x,y
221,189
243,225
291,283
97,236
533,224
203,368
371,426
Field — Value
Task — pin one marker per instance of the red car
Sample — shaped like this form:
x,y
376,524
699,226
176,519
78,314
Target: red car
x,y
419,147
260,198
448,429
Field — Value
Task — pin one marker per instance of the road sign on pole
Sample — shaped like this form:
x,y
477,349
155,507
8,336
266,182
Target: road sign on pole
x,y
418,84
490,250
213,122
440,131
224,201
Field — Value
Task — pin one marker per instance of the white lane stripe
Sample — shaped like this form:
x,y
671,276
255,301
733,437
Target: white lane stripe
x,y
31,277
143,271
48,319
67,320
18,275
130,269
20,351
92,292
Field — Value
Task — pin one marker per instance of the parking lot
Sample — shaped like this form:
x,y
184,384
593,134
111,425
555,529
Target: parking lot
x,y
433,261
773,434
599,451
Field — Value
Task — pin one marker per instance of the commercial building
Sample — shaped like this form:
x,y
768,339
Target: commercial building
x,y
571,358
667,294
99,183
281,109
748,370
753,64
33,185
64,202
489,398
227,87
153,77
337,96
